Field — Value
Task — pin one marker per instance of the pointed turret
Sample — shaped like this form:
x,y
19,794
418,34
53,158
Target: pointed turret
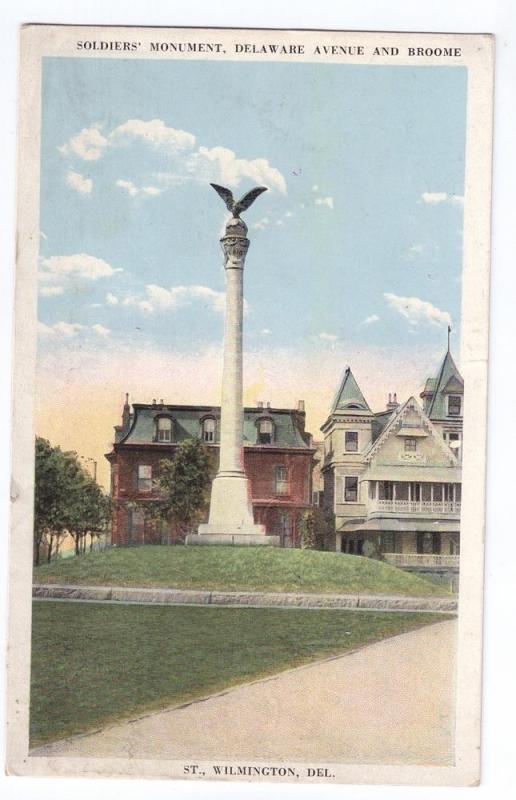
x,y
443,395
349,396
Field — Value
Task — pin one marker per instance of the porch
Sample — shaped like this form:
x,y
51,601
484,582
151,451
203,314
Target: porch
x,y
428,498
417,560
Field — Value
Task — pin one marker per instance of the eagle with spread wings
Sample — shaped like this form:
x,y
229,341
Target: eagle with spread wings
x,y
244,202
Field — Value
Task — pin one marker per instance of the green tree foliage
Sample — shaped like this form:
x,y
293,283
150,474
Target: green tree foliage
x,y
312,530
182,488
66,501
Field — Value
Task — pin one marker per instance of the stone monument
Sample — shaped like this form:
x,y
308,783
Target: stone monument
x,y
231,513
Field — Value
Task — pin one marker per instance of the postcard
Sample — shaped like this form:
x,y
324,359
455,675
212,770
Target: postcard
x,y
250,405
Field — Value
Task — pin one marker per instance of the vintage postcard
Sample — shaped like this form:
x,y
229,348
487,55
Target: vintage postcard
x,y
250,405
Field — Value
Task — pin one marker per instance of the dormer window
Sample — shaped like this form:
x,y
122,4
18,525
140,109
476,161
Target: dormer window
x,y
208,429
454,405
265,431
163,429
410,444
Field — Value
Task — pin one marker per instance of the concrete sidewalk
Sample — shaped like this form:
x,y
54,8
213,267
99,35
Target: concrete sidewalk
x,y
389,703
121,594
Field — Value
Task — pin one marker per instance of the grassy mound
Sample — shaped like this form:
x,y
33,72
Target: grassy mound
x,y
235,568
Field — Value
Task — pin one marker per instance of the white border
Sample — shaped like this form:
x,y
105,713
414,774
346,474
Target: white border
x,y
400,15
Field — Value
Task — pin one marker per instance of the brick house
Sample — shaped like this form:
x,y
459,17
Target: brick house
x,y
278,458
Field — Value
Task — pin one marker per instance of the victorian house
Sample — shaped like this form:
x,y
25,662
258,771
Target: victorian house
x,y
278,458
393,477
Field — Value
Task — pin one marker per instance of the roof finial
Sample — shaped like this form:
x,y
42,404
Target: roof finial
x,y
449,332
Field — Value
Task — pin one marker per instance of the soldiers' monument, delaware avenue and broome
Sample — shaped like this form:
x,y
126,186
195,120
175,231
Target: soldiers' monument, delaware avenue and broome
x,y
231,519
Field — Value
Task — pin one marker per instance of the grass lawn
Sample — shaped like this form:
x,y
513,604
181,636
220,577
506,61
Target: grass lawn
x,y
238,568
96,663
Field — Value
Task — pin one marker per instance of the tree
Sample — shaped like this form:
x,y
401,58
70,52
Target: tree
x,y
312,530
66,501
182,488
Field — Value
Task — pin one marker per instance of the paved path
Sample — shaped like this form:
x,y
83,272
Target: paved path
x,y
391,702
132,594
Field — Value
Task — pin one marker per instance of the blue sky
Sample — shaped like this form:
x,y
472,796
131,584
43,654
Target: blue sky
x,y
357,149
356,249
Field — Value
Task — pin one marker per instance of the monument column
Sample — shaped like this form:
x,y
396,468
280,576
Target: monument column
x,y
231,513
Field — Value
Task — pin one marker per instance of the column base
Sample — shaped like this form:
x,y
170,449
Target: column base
x,y
247,538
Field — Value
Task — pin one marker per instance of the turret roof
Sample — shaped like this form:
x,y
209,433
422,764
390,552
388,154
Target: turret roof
x,y
448,380
349,396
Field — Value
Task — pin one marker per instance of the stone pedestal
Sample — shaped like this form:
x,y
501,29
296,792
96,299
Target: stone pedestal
x,y
231,513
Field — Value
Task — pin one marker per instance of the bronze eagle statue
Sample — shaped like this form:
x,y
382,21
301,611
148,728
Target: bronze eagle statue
x,y
244,202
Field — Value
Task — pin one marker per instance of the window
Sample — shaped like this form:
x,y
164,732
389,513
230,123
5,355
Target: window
x,y
164,429
144,478
350,489
351,441
208,430
454,405
410,444
280,480
265,431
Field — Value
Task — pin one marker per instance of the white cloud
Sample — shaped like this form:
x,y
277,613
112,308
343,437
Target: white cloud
x,y
78,266
324,201
329,337
265,331
156,133
45,330
372,318
220,164
67,328
79,182
51,291
442,197
100,330
315,188
160,299
133,190
111,299
261,224
416,310
89,145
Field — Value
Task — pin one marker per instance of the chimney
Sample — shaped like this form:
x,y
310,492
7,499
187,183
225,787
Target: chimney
x,y
301,406
153,401
268,404
161,402
259,404
393,402
126,412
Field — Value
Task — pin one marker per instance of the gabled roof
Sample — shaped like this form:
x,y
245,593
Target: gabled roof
x,y
449,376
395,424
349,396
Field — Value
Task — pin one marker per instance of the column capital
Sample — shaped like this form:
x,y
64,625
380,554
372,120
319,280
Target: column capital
x,y
235,250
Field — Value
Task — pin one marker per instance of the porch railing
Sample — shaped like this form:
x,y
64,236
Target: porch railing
x,y
421,560
416,506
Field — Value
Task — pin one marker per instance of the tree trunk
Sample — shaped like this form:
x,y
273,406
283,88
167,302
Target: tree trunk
x,y
49,551
76,540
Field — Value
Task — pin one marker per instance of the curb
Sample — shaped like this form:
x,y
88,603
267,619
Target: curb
x,y
204,597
